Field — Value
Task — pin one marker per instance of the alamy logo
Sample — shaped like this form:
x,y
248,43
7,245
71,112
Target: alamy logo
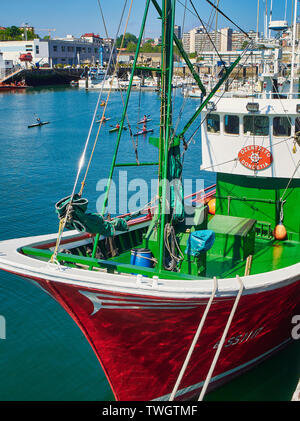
x,y
296,328
2,327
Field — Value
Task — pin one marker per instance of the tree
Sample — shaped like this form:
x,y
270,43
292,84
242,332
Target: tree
x,y
13,32
131,47
127,39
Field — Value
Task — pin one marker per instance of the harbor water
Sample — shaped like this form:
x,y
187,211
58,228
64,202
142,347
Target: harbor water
x,y
44,355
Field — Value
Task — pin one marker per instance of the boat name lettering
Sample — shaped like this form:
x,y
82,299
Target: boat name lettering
x,y
234,340
2,327
296,328
255,157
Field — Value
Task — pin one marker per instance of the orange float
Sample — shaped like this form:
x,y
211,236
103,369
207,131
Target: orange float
x,y
279,232
212,206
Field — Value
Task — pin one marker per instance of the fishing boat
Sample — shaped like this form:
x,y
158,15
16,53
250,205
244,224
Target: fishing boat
x,y
177,299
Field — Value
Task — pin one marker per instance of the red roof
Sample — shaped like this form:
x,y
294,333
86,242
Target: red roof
x,y
91,35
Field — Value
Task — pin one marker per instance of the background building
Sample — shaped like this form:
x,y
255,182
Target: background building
x,y
68,51
198,41
177,31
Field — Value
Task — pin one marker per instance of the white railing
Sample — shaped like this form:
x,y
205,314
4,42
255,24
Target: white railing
x,y
6,73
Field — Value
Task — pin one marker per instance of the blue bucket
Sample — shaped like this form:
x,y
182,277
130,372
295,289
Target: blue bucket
x,y
141,257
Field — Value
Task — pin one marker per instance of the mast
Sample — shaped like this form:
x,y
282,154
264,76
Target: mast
x,y
168,19
257,21
270,19
293,50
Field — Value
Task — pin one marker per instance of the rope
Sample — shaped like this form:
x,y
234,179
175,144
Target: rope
x,y
207,34
170,232
290,180
226,17
217,354
63,220
195,340
106,102
129,126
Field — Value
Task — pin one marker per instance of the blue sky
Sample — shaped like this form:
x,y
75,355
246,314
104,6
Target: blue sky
x,y
79,16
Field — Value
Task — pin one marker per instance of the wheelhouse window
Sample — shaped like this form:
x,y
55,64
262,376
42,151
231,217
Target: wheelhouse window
x,y
232,124
213,123
281,126
256,125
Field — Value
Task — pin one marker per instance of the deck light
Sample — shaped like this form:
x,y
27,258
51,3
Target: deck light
x,y
252,107
211,106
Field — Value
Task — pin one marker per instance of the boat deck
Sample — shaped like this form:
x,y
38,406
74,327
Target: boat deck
x,y
268,256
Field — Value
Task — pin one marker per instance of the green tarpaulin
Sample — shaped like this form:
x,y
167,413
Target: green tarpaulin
x,y
176,188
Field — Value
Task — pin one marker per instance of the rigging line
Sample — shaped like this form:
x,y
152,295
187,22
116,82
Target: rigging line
x,y
122,98
290,180
63,221
207,33
204,119
208,25
108,96
183,19
235,159
226,17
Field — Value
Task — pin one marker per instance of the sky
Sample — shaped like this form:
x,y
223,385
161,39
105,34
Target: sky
x,y
77,17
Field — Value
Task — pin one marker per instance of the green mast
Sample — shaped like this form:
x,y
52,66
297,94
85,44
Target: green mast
x,y
168,17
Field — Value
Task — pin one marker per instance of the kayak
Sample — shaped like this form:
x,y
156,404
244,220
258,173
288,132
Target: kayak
x,y
144,121
143,132
39,124
115,129
104,121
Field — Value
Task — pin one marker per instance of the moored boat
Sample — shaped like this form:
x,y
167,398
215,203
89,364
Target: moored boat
x,y
176,303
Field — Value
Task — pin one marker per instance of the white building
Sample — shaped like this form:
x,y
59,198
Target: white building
x,y
66,51
13,49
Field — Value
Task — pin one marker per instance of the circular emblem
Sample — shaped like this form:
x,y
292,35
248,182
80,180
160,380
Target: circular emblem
x,y
255,157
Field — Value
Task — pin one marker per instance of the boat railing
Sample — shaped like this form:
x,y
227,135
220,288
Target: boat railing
x,y
202,196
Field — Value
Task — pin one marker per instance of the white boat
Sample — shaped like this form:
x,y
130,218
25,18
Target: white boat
x,y
95,75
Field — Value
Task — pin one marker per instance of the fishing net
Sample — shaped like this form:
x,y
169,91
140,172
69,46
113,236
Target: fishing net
x,y
93,223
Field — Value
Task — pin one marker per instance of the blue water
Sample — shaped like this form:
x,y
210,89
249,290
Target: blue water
x,y
45,356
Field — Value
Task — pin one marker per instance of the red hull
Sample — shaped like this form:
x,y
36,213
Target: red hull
x,y
11,87
142,341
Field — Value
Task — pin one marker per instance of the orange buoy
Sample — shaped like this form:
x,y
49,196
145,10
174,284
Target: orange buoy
x,y
212,206
279,232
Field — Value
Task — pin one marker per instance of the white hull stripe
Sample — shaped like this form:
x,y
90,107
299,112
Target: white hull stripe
x,y
100,302
158,301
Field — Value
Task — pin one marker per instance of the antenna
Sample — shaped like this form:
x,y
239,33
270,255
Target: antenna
x,y
48,30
